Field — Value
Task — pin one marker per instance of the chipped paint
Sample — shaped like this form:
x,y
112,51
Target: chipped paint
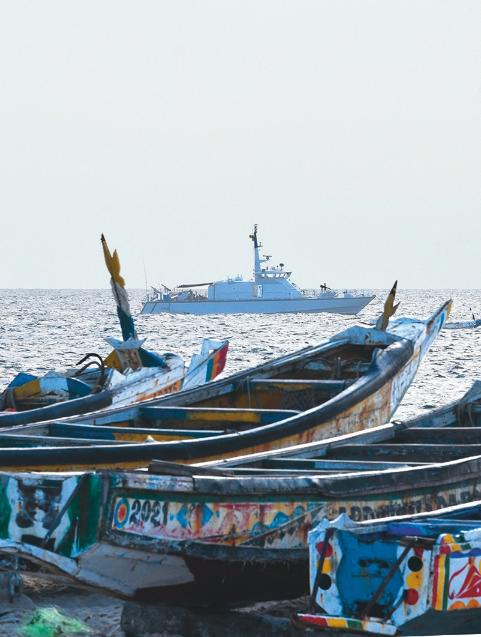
x,y
401,570
281,523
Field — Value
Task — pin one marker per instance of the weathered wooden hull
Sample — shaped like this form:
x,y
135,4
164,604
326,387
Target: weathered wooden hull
x,y
204,538
233,544
367,402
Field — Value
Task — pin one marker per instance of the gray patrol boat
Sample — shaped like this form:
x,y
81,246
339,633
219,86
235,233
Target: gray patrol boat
x,y
270,291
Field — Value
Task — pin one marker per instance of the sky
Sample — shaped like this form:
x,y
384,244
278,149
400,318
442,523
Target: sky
x,y
349,130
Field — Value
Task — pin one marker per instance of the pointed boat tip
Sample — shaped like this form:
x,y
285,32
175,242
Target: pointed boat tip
x,y
447,307
102,237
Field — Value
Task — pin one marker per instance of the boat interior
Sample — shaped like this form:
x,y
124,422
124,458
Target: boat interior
x,y
268,394
451,434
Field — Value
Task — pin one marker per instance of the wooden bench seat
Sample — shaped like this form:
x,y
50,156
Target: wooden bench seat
x,y
291,385
116,434
228,417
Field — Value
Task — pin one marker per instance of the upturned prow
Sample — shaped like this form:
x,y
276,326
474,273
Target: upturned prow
x,y
117,282
389,309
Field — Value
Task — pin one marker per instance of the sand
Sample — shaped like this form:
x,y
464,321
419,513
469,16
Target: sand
x,y
100,612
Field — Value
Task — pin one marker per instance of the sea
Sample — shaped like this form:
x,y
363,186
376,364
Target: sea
x,y
41,330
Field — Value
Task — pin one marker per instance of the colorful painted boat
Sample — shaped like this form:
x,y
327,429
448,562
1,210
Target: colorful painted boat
x,y
129,374
237,530
353,381
418,575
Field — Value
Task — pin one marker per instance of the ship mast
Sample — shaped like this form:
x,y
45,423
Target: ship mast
x,y
257,259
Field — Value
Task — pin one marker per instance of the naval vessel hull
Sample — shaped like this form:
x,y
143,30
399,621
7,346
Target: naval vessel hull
x,y
335,305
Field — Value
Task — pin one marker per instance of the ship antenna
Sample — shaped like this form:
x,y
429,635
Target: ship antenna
x,y
257,260
145,276
253,236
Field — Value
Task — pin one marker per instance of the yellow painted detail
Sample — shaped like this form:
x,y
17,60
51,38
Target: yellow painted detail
x,y
112,262
112,361
32,388
414,580
337,622
438,602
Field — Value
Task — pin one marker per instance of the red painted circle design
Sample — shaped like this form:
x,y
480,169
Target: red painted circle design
x,y
121,513
411,596
328,549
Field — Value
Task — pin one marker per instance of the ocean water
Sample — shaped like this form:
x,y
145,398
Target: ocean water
x,y
52,329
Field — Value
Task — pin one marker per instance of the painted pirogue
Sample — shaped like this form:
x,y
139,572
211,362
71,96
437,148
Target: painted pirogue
x,y
129,374
409,575
237,529
353,381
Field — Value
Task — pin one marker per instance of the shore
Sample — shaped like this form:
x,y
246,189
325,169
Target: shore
x,y
108,616
100,612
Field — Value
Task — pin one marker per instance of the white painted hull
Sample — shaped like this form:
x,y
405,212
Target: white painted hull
x,y
335,305
121,570
148,383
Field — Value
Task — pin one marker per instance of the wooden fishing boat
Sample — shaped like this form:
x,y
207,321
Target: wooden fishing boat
x,y
238,529
353,381
415,575
129,374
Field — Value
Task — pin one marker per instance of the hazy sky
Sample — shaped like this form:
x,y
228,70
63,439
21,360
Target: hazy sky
x,y
350,131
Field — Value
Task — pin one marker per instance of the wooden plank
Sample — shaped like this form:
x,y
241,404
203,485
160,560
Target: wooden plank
x,y
27,440
216,414
162,467
415,452
331,465
438,435
286,472
269,384
114,433
357,367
